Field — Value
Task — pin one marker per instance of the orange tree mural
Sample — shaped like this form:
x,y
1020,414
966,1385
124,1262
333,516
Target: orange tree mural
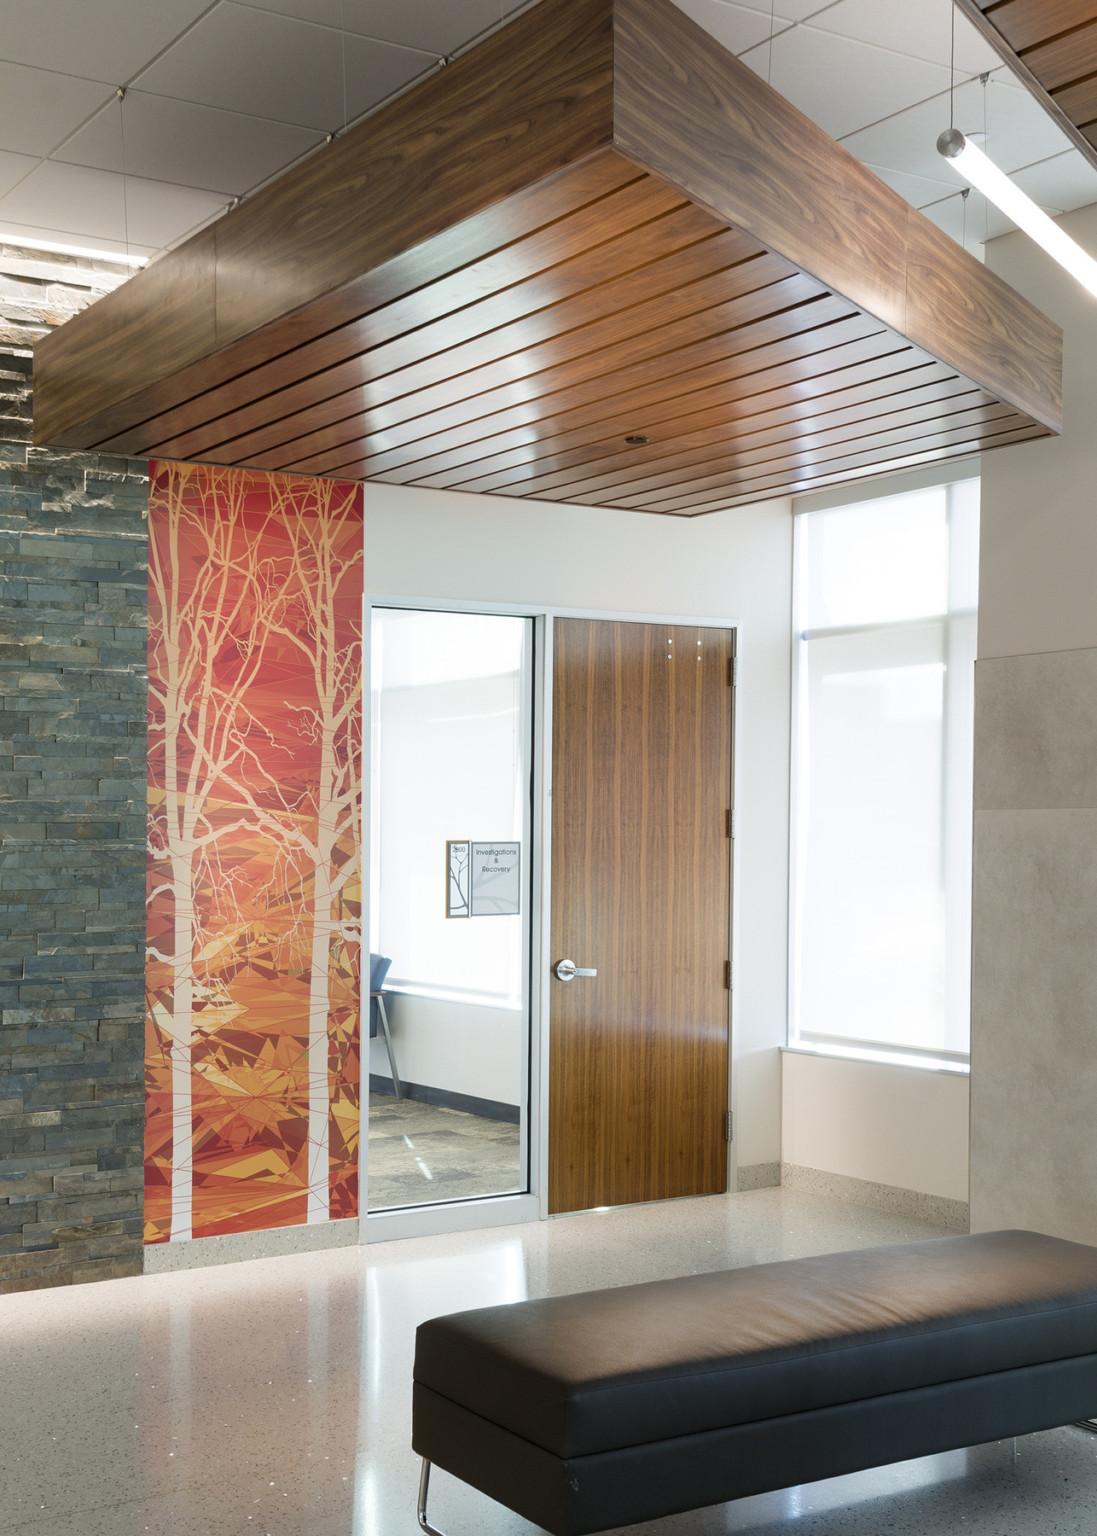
x,y
254,896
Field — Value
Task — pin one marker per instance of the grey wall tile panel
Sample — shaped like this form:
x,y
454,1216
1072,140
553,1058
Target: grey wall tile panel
x,y
73,608
1034,1017
1035,730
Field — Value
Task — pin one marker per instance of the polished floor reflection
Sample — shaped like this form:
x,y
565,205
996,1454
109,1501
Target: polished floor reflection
x,y
274,1396
421,1153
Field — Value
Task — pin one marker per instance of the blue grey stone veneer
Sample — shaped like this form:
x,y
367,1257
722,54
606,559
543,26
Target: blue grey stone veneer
x,y
73,620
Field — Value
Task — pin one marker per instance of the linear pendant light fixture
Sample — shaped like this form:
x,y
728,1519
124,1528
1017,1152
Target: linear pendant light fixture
x,y
970,163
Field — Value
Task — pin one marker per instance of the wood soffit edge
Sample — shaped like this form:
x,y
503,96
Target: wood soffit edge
x,y
596,259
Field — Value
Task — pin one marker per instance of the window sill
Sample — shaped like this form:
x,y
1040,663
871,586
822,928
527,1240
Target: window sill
x,y
882,1056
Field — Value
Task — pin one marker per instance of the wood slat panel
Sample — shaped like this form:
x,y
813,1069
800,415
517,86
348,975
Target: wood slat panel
x,y
1027,23
601,463
745,325
1065,59
691,267
1079,102
708,423
511,437
620,212
797,471
717,447
903,425
599,349
710,125
392,448
121,426
851,473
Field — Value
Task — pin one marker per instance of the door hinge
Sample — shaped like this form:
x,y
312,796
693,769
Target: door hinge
x,y
728,1125
733,671
731,823
729,974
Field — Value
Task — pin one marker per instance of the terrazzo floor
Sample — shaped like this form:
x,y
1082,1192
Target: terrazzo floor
x,y
420,1153
274,1396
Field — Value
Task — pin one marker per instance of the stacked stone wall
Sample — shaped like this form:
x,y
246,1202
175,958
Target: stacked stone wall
x,y
73,619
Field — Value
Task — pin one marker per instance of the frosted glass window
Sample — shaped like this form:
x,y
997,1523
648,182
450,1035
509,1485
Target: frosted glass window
x,y
881,890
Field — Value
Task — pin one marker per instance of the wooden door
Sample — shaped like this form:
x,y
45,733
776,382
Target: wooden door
x,y
641,892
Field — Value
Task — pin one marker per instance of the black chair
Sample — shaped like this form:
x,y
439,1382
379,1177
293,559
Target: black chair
x,y
378,970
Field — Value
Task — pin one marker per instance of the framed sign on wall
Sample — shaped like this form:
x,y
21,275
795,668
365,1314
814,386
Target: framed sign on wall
x,y
495,884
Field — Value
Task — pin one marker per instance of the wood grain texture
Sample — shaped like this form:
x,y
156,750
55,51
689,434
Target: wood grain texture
x,y
595,225
472,297
641,881
707,123
793,475
850,473
608,454
1079,101
658,337
515,434
1027,23
1066,59
600,300
713,355
645,473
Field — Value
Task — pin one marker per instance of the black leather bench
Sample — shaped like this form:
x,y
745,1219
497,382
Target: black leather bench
x,y
610,1407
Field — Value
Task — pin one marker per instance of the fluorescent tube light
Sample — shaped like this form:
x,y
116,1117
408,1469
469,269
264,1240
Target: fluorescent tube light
x,y
994,184
29,244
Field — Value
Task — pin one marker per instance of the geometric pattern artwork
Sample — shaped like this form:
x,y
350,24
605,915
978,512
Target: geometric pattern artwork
x,y
254,904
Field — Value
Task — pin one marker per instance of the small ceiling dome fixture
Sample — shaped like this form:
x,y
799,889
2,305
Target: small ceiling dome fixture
x,y
635,440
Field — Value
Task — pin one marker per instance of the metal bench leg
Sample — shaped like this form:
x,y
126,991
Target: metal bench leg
x,y
421,1510
383,1016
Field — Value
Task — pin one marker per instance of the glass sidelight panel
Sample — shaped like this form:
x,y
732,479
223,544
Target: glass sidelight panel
x,y
451,731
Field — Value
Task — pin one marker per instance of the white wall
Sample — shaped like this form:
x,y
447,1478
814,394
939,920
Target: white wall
x,y
729,565
868,1120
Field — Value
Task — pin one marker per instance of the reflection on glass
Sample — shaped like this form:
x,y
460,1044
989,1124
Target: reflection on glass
x,y
450,776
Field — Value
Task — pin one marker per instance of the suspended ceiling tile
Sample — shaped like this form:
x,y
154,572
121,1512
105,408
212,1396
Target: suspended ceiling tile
x,y
967,226
437,27
842,84
100,205
108,40
1018,132
13,168
735,26
795,10
1061,184
918,190
188,144
39,107
922,31
278,67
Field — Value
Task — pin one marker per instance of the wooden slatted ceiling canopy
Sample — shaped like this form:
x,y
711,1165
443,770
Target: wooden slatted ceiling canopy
x,y
1052,46
597,225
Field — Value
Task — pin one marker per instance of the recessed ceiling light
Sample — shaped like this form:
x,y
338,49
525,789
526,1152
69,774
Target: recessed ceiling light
x,y
635,440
